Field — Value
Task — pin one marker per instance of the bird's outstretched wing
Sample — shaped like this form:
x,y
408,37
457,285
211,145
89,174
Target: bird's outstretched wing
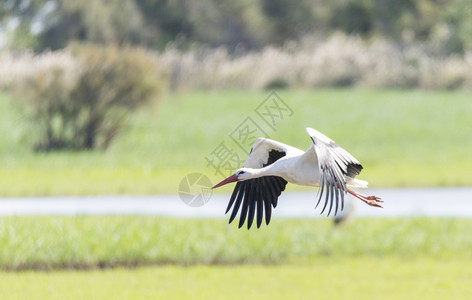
x,y
335,164
257,196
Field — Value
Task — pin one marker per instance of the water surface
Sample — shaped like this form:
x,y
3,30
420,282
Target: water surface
x,y
440,202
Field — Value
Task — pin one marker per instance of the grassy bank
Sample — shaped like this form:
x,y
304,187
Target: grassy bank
x,y
403,138
325,278
201,259
97,242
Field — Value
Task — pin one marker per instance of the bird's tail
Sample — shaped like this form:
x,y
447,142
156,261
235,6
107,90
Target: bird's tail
x,y
357,183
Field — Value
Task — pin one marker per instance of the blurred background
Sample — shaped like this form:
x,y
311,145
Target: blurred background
x,y
116,105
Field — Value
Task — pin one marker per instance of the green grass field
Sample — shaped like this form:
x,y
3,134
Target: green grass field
x,y
202,259
98,241
326,278
403,138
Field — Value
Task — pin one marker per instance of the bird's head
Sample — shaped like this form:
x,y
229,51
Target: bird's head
x,y
240,175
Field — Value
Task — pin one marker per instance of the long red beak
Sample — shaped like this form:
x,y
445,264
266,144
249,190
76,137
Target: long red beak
x,y
230,179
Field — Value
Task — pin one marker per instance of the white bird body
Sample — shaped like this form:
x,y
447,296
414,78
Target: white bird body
x,y
295,167
272,164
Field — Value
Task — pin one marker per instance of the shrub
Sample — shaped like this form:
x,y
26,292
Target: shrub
x,y
48,94
113,82
337,61
85,108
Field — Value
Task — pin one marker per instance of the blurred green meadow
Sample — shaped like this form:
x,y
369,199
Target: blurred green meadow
x,y
88,242
344,278
403,138
78,70
172,258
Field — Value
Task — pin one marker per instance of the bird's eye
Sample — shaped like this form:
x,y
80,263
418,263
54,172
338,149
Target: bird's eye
x,y
241,172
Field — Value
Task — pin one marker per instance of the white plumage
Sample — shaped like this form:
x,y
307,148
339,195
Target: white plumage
x,y
272,164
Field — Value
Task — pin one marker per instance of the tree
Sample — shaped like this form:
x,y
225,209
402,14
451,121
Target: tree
x,y
290,20
229,23
165,21
53,24
458,18
354,17
22,13
86,107
99,22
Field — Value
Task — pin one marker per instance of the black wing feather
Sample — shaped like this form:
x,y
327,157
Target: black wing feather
x,y
335,164
256,196
233,197
246,203
267,203
272,191
252,206
240,186
260,206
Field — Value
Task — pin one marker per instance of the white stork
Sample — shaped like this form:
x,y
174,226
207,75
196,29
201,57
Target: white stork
x,y
272,164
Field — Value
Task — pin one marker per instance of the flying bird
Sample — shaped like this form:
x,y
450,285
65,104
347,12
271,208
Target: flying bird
x,y
272,164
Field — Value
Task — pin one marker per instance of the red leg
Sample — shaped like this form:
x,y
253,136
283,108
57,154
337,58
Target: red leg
x,y
370,200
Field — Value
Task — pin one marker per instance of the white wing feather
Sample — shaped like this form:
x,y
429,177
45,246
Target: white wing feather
x,y
260,152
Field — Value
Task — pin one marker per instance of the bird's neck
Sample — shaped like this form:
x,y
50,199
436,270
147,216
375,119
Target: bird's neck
x,y
265,171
